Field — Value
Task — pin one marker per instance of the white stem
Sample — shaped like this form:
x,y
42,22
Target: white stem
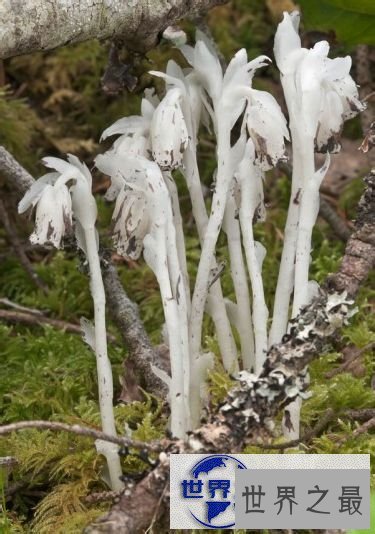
x,y
285,281
179,416
239,277
223,179
309,209
260,311
180,237
179,294
217,309
304,200
105,382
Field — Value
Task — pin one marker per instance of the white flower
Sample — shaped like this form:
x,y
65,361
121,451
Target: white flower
x,y
191,95
83,202
141,197
319,89
131,223
267,128
56,195
168,131
134,130
53,209
227,92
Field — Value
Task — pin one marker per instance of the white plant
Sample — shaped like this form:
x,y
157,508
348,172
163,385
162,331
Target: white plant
x,y
60,197
320,95
250,132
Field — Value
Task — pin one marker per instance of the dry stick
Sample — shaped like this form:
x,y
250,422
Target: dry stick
x,y
333,219
36,317
344,366
306,438
251,403
123,310
55,426
330,414
362,414
16,244
16,317
19,307
358,431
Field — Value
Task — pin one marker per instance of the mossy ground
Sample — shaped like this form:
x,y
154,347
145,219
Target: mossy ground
x,y
54,104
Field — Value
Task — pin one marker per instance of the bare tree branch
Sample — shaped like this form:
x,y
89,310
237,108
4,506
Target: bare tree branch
x,y
142,355
16,175
55,426
33,25
252,403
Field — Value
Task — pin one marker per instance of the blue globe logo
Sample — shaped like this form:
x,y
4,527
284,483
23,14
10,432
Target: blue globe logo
x,y
210,490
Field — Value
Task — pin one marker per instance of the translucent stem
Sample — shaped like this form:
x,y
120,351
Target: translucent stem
x,y
216,305
308,207
239,277
176,277
105,382
179,376
260,311
224,175
180,237
285,281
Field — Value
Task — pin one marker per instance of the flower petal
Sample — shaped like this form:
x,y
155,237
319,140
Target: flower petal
x,y
287,41
33,194
330,123
169,135
208,68
52,214
127,125
131,223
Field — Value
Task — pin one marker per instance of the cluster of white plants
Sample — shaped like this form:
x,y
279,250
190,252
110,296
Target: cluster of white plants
x,y
320,95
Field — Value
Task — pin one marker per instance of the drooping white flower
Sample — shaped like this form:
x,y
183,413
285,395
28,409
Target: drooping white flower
x,y
168,131
53,217
56,196
140,199
134,130
83,202
267,128
319,89
191,95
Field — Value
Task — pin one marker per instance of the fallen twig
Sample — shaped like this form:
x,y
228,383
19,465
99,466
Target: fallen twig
x,y
55,426
33,319
306,438
363,429
347,363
